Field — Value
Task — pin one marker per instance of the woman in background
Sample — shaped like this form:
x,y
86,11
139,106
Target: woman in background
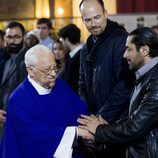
x,y
60,53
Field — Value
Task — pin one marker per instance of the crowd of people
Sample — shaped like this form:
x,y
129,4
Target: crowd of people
x,y
63,98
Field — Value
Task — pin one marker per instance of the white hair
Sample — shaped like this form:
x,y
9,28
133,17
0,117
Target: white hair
x,y
33,55
34,33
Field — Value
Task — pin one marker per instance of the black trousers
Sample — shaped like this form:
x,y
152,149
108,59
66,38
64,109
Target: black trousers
x,y
99,150
111,151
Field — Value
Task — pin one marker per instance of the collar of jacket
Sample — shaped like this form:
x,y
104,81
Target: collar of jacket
x,y
146,75
19,56
91,45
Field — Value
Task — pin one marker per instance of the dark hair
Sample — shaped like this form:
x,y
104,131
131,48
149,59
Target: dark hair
x,y
145,36
2,33
45,21
99,1
16,24
72,32
57,41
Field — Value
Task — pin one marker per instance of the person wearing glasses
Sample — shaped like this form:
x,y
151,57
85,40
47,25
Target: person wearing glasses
x,y
12,65
42,112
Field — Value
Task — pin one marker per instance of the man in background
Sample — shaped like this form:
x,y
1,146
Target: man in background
x,y
14,71
70,37
139,132
102,83
44,27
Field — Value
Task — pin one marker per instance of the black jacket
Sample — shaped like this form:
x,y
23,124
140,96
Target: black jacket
x,y
16,75
70,73
101,83
140,131
3,58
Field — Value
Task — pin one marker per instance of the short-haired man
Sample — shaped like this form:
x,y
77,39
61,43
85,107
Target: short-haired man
x,y
41,116
70,36
44,26
14,71
102,82
140,131
101,85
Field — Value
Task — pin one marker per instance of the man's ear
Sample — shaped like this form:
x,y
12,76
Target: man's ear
x,y
145,50
106,13
30,70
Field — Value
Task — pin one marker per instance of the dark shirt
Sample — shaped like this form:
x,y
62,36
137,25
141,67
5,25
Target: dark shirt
x,y
70,73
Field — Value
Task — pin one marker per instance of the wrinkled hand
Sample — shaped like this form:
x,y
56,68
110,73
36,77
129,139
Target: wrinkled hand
x,y
91,122
85,134
2,118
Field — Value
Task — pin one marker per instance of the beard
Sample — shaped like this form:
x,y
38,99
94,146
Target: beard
x,y
14,48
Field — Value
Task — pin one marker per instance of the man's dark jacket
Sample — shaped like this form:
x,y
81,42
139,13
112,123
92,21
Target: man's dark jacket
x,y
101,84
3,58
70,72
140,131
16,75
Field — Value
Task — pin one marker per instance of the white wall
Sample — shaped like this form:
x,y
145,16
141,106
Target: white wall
x,y
132,21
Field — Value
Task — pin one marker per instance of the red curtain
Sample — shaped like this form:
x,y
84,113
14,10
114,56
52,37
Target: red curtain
x,y
137,6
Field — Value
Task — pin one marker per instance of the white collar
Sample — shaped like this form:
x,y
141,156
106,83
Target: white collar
x,y
41,90
73,52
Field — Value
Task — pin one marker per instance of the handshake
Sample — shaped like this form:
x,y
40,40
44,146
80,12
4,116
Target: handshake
x,y
88,126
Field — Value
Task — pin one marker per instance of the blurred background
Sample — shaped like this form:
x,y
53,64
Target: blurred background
x,y
130,13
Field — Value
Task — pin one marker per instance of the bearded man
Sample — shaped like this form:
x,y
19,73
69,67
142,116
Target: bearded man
x,y
13,67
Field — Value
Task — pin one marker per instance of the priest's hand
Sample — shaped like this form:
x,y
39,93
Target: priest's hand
x,y
85,134
91,122
2,118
